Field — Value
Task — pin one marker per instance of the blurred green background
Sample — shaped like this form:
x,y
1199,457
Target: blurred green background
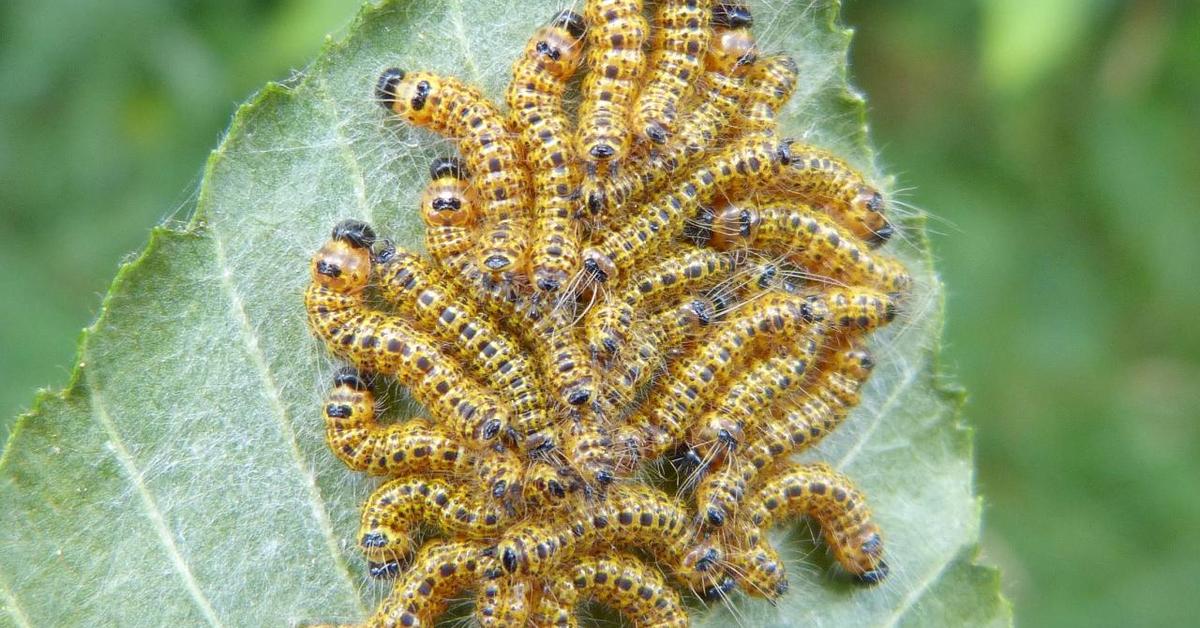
x,y
1057,142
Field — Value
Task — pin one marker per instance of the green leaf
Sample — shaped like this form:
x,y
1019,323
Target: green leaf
x,y
182,476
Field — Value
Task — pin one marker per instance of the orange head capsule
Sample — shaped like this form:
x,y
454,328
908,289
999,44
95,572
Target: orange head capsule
x,y
869,204
732,48
733,226
344,263
560,45
447,200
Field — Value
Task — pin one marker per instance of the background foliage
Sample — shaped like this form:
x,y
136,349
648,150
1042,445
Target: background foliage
x,y
1057,140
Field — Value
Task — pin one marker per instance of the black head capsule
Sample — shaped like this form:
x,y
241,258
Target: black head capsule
x,y
784,151
572,22
731,15
874,576
349,376
443,167
385,89
656,133
509,560
355,232
602,151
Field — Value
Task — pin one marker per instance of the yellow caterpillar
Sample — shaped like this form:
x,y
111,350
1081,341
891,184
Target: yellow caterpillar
x,y
504,602
808,238
456,110
822,179
691,380
535,94
621,581
616,32
746,162
680,41
394,510
799,424
816,490
685,269
386,344
423,592
420,291
769,85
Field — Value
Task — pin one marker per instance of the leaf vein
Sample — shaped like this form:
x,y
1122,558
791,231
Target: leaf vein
x,y
13,605
897,391
913,596
254,351
153,513
347,151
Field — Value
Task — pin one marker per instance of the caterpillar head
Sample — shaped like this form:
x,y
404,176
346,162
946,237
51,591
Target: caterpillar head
x,y
408,94
343,264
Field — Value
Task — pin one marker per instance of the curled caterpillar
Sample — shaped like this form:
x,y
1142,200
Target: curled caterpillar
x,y
770,83
829,497
386,344
423,591
456,110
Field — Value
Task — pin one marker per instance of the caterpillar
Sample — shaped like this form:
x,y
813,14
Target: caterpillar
x,y
826,181
808,238
630,515
752,393
801,423
386,344
414,446
694,377
621,581
539,79
397,507
686,268
588,447
616,32
680,41
449,210
438,572
833,501
718,97
548,486
419,290
855,309
456,110
769,84
760,571
747,162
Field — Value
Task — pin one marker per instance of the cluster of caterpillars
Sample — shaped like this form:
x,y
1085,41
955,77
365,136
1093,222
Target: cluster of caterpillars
x,y
657,278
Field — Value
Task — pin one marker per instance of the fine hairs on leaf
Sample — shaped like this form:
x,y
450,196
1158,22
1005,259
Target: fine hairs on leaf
x,y
182,476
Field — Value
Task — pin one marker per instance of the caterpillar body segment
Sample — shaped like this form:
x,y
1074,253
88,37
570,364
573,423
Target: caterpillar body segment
x,y
413,446
449,210
829,497
548,486
422,593
622,582
809,239
504,602
826,181
692,379
800,423
535,94
459,111
616,33
677,53
420,290
686,269
752,393
770,83
382,343
566,365
397,507
748,162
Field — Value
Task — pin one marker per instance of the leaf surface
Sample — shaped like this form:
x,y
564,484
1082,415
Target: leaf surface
x,y
182,476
